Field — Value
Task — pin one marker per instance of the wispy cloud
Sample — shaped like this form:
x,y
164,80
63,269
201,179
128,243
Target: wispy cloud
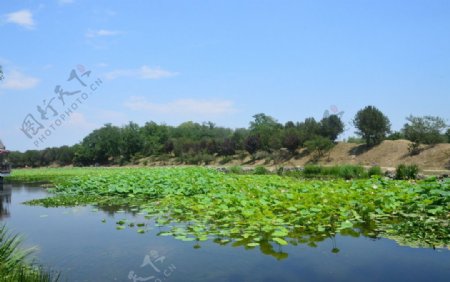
x,y
101,33
16,80
183,106
23,18
144,72
79,121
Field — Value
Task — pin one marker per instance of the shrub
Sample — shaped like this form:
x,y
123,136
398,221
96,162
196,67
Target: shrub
x,y
13,265
355,140
312,170
319,146
280,171
404,172
344,171
236,169
374,171
414,148
351,171
260,170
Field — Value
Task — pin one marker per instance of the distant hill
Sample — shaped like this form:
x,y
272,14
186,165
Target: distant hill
x,y
388,154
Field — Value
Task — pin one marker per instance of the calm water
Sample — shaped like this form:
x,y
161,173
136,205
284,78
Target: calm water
x,y
77,243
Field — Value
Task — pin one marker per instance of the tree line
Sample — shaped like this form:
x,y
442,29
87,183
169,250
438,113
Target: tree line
x,y
195,143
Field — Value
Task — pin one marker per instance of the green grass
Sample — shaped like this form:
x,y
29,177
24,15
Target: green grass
x,y
406,172
13,264
342,171
198,204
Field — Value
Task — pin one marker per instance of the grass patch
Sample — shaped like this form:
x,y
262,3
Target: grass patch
x,y
13,264
343,171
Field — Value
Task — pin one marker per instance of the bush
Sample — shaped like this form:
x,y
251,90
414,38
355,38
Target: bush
x,y
344,171
280,171
236,169
13,264
319,146
405,172
374,171
351,171
355,140
312,170
260,170
414,148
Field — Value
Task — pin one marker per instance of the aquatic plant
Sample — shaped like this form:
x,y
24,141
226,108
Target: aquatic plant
x,y
198,204
13,264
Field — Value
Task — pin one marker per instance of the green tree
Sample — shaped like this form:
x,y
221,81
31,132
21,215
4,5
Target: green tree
x,y
252,144
396,135
424,130
99,147
239,136
1,73
154,138
308,130
291,141
331,127
372,125
318,146
268,130
131,141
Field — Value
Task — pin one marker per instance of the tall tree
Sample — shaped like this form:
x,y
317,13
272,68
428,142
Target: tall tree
x,y
252,144
331,127
268,130
425,130
308,130
372,125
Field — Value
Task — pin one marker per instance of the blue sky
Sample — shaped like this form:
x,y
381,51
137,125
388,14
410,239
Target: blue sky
x,y
221,61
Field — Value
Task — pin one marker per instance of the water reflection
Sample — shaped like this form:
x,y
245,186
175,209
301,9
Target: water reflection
x,y
76,242
5,200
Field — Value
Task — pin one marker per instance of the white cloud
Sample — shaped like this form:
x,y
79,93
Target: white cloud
x,y
144,72
78,120
183,106
16,80
23,18
101,32
102,65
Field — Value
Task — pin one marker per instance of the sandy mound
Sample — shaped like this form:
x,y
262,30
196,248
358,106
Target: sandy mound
x,y
387,154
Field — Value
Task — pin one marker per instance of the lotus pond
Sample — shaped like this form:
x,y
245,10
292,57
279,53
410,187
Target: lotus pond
x,y
198,224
